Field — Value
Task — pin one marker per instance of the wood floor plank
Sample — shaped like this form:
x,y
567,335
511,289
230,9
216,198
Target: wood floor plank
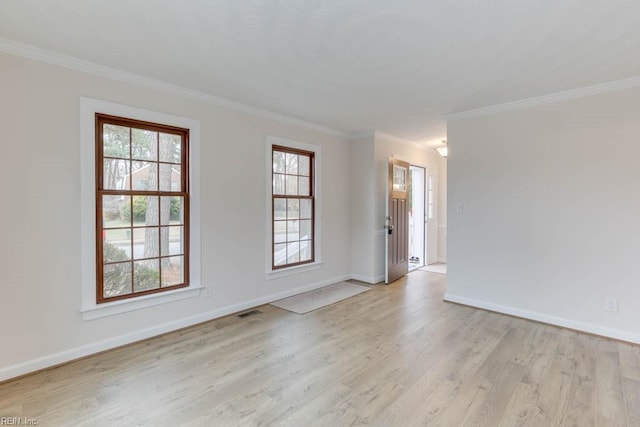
x,y
394,356
378,357
521,406
554,388
610,405
426,398
631,389
432,393
497,397
523,403
629,360
581,404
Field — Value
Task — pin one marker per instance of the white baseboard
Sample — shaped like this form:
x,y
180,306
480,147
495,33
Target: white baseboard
x,y
368,279
546,318
89,349
442,260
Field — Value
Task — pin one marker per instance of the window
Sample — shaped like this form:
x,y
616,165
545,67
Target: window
x,y
142,208
292,207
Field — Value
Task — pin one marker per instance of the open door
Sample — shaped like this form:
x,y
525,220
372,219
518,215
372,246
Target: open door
x,y
397,221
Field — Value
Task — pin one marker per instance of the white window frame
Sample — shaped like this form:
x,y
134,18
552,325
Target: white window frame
x,y
316,150
88,306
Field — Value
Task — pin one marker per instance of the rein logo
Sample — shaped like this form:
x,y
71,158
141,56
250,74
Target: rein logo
x,y
18,421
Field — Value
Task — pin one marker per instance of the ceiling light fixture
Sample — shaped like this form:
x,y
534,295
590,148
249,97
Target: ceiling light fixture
x,y
443,150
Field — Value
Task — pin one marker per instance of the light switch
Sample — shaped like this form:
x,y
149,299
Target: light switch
x,y
460,208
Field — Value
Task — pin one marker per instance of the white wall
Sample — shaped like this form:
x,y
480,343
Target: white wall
x,y
363,229
40,321
550,223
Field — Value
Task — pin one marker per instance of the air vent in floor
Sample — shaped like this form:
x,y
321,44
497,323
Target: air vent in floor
x,y
249,313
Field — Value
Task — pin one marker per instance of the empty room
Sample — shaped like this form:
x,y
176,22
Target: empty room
x,y
327,213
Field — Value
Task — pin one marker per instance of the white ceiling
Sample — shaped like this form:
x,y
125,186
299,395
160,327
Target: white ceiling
x,y
394,66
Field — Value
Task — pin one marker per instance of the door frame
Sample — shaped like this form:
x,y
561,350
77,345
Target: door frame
x,y
431,224
423,255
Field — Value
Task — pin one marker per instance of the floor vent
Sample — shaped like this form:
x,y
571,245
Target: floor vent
x,y
249,313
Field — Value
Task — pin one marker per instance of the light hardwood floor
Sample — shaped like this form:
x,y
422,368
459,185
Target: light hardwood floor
x,y
394,356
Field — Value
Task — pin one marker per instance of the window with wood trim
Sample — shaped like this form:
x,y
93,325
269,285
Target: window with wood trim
x,y
293,209
142,208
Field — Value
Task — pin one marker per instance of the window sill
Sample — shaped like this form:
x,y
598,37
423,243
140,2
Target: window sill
x,y
97,311
289,271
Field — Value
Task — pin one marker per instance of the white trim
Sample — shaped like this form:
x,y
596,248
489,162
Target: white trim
x,y
386,216
317,236
368,279
397,139
401,157
290,271
547,99
89,308
360,135
123,306
42,55
89,349
546,318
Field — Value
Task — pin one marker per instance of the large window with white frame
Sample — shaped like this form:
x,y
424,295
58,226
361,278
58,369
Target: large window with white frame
x,y
140,208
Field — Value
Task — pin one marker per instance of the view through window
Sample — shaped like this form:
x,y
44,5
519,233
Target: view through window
x,y
292,207
142,206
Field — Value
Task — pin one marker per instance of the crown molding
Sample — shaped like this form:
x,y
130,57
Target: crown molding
x,y
547,99
43,55
359,135
394,138
391,137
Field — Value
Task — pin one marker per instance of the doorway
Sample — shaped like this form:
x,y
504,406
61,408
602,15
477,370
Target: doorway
x,y
417,217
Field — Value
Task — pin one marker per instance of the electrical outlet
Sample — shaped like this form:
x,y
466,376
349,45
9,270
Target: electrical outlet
x,y
460,208
611,304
